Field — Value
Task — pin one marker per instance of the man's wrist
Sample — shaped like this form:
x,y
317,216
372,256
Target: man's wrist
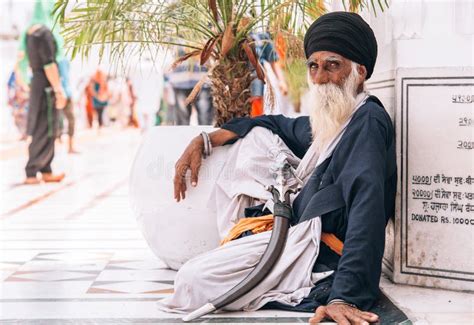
x,y
341,302
58,90
199,142
207,150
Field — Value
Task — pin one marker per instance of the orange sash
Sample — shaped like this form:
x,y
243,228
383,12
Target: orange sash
x,y
265,223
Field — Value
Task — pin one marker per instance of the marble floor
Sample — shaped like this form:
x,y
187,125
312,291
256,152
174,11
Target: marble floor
x,y
71,253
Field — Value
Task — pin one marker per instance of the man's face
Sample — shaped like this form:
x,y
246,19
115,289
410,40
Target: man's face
x,y
334,83
329,67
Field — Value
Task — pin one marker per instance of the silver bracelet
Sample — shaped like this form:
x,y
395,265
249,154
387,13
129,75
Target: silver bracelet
x,y
207,150
209,143
204,149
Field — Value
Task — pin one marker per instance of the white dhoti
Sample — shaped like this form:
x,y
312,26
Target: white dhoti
x,y
212,274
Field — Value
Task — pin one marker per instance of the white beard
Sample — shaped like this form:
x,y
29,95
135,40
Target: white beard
x,y
332,107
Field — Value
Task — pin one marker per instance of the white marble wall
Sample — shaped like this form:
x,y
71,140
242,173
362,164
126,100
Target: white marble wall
x,y
424,43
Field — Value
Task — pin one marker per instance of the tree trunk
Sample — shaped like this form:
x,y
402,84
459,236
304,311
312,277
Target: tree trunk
x,y
231,89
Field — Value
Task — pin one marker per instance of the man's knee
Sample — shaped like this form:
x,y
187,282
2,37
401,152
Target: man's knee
x,y
190,273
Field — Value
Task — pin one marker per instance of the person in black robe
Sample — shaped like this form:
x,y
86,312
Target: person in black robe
x,y
46,96
362,167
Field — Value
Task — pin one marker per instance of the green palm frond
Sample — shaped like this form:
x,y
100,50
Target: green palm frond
x,y
138,26
207,28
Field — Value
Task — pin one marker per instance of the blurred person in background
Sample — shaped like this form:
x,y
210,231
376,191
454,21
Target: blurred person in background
x,y
83,102
120,108
113,108
147,85
68,111
268,58
126,98
18,97
99,89
167,103
183,79
131,99
88,103
41,46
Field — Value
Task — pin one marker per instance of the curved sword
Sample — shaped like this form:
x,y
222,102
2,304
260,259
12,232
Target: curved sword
x,y
281,222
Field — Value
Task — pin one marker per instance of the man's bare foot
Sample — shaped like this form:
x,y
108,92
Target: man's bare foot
x,y
51,178
73,151
31,181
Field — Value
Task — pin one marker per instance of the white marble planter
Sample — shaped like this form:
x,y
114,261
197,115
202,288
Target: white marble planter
x,y
174,231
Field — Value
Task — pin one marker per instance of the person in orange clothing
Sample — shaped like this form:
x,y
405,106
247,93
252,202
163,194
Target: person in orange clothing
x,y
99,89
89,106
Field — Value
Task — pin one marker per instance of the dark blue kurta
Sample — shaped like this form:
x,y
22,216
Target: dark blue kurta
x,y
363,168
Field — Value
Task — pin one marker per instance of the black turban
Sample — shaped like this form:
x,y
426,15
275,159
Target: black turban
x,y
346,34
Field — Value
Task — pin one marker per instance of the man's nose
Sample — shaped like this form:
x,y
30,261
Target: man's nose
x,y
321,77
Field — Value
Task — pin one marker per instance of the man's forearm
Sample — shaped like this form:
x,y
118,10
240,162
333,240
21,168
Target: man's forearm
x,y
52,73
218,138
221,137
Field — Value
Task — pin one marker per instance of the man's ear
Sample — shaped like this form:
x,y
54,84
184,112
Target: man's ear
x,y
362,73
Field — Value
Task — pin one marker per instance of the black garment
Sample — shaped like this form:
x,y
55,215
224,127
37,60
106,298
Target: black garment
x,y
100,115
363,166
42,115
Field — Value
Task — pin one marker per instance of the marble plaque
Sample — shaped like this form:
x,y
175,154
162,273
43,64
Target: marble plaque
x,y
435,122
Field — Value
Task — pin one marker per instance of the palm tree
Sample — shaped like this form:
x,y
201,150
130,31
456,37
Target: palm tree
x,y
217,31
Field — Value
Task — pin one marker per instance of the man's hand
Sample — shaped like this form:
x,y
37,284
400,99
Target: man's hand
x,y
52,74
190,159
61,100
343,315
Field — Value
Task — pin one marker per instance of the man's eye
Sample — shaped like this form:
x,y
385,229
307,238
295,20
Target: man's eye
x,y
334,65
313,66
